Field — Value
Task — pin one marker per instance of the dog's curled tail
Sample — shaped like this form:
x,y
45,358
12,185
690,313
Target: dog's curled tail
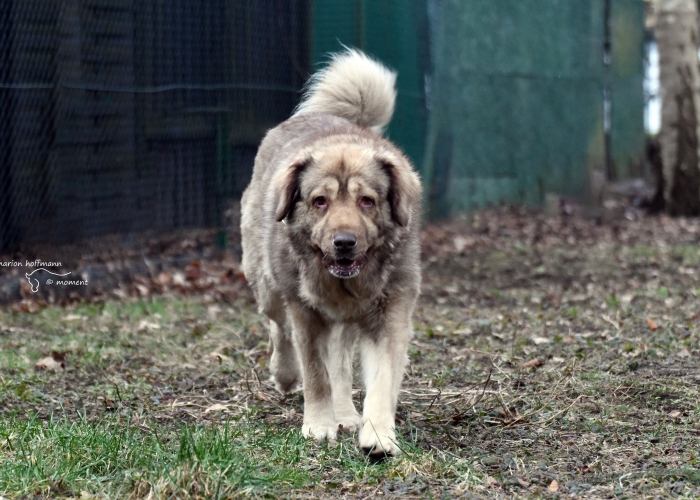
x,y
355,87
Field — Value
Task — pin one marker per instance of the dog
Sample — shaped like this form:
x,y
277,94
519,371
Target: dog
x,y
330,229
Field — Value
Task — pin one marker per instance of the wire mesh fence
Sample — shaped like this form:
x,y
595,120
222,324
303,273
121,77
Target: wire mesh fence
x,y
118,116
125,115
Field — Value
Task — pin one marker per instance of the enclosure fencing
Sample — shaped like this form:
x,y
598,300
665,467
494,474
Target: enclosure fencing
x,y
118,116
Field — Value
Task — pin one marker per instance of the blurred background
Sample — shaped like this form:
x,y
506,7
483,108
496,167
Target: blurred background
x,y
122,116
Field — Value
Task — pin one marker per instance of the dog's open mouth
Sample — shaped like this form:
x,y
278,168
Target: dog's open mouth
x,y
345,267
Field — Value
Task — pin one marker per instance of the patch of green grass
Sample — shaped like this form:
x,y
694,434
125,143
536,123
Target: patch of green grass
x,y
112,457
612,301
689,253
115,458
645,251
143,308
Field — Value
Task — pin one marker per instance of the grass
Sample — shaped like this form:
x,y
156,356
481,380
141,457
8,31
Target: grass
x,y
112,457
105,426
537,370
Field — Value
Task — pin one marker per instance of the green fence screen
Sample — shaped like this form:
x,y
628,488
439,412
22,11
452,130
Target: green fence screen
x,y
502,101
627,135
393,31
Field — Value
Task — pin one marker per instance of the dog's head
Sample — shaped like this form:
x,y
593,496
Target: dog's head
x,y
343,198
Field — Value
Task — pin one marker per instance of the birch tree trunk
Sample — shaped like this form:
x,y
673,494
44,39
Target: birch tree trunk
x,y
677,38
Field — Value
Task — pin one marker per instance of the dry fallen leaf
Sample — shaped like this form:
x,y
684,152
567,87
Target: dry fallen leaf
x,y
193,271
213,311
26,305
463,331
216,407
533,363
179,278
627,298
540,340
71,317
460,243
164,279
653,325
491,481
218,357
553,486
53,363
147,325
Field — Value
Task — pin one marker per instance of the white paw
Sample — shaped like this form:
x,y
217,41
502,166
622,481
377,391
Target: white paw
x,y
350,422
378,438
320,431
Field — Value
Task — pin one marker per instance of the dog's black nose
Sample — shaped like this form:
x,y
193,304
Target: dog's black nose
x,y
344,242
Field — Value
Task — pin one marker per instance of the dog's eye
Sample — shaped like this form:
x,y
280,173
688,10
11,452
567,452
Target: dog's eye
x,y
366,202
320,202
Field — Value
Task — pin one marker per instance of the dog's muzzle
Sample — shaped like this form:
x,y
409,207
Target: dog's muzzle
x,y
344,263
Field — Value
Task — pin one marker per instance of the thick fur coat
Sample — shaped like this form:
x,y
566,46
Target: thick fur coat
x,y
331,247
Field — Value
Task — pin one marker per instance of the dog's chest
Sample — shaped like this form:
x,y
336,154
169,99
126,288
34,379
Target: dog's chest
x,y
337,300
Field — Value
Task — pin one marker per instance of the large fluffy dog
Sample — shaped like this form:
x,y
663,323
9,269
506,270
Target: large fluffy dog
x,y
330,226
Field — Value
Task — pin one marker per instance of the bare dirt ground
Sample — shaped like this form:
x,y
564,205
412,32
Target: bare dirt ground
x,y
553,356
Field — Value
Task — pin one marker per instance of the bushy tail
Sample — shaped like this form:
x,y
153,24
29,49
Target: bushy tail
x,y
355,87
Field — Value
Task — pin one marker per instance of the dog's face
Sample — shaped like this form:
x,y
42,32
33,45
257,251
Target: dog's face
x,y
343,198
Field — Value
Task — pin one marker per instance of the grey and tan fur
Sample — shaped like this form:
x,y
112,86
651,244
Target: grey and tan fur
x,y
330,231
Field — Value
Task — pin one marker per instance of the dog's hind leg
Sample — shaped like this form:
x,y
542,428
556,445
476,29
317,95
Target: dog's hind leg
x,y
284,364
340,357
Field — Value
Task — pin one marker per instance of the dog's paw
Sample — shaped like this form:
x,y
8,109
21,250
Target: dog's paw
x,y
320,431
350,422
378,440
286,385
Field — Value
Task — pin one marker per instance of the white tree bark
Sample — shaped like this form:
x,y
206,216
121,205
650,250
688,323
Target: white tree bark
x,y
677,38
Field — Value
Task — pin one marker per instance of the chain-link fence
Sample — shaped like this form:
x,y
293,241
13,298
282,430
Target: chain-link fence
x,y
125,115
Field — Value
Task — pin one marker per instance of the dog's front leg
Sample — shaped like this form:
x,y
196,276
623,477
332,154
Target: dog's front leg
x,y
340,354
384,359
310,333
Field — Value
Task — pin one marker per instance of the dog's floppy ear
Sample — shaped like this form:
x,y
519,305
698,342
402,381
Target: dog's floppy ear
x,y
286,185
404,188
